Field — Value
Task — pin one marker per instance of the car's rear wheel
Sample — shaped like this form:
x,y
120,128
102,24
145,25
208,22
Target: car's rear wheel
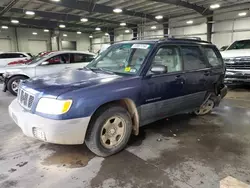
x,y
13,84
205,108
109,131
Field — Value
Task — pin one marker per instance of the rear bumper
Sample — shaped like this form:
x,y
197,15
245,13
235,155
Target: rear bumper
x,y
53,131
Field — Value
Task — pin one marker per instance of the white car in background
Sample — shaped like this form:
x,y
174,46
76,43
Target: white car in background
x,y
42,65
7,57
237,60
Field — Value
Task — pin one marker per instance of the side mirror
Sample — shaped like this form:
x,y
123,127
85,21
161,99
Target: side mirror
x,y
159,69
45,63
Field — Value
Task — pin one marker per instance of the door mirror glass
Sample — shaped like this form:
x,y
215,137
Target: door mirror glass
x,y
44,63
159,69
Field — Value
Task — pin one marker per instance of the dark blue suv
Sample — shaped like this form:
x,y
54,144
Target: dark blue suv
x,y
129,85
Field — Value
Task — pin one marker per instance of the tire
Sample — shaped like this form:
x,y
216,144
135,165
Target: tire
x,y
205,108
97,131
11,82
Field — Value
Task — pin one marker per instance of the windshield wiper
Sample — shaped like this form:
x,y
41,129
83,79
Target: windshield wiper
x,y
100,69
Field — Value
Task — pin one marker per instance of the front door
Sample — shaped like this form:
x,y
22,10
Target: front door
x,y
162,94
55,64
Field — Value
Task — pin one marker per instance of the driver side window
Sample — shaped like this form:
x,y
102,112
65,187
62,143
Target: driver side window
x,y
59,59
170,57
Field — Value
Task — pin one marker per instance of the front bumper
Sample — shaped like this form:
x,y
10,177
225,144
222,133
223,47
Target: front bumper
x,y
237,77
67,132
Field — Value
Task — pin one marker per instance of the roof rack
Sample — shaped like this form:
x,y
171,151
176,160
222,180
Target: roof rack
x,y
170,37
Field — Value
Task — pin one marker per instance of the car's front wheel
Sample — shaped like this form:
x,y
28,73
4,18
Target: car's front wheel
x,y
109,131
13,84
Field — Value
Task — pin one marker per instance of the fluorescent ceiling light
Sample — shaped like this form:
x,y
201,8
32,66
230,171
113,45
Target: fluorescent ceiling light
x,y
14,21
62,26
90,36
98,29
214,6
242,14
159,17
117,10
153,27
123,24
46,30
31,13
34,33
190,22
79,32
65,35
127,31
56,0
84,20
5,27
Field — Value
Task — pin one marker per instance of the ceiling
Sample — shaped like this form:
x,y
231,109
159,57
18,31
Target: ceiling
x,y
50,14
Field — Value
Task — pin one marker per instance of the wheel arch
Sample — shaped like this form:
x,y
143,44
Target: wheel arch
x,y
130,106
14,75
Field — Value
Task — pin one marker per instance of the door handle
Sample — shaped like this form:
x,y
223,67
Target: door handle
x,y
179,79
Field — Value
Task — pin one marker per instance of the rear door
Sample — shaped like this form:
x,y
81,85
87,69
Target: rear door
x,y
197,71
162,94
56,64
216,74
79,60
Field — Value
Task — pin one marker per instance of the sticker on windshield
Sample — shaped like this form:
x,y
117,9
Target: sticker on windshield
x,y
141,46
127,69
133,70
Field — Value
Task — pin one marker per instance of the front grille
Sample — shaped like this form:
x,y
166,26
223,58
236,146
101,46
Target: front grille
x,y
238,63
25,99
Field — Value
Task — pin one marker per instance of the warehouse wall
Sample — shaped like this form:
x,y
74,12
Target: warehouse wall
x,y
9,35
179,27
82,41
227,31
26,41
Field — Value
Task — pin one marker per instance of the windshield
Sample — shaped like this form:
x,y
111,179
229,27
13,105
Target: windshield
x,y
243,44
122,58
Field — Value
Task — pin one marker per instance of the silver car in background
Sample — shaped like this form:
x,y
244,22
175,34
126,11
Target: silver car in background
x,y
51,63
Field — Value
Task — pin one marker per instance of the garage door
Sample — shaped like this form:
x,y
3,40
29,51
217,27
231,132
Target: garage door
x,y
37,46
5,45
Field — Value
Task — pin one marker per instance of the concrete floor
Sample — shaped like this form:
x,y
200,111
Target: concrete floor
x,y
182,152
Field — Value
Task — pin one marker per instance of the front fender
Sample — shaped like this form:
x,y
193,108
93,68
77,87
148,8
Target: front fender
x,y
14,72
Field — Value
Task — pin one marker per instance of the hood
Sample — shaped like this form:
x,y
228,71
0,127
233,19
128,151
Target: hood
x,y
68,80
235,53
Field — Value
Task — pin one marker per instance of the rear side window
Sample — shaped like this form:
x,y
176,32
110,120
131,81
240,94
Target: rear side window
x,y
213,57
193,58
80,58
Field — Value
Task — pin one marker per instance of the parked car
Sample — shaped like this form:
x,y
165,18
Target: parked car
x,y
25,61
237,60
7,57
223,48
49,63
130,85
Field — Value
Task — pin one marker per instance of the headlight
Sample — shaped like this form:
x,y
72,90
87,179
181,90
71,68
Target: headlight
x,y
53,106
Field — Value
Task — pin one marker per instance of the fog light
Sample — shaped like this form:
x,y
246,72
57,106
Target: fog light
x,y
38,133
